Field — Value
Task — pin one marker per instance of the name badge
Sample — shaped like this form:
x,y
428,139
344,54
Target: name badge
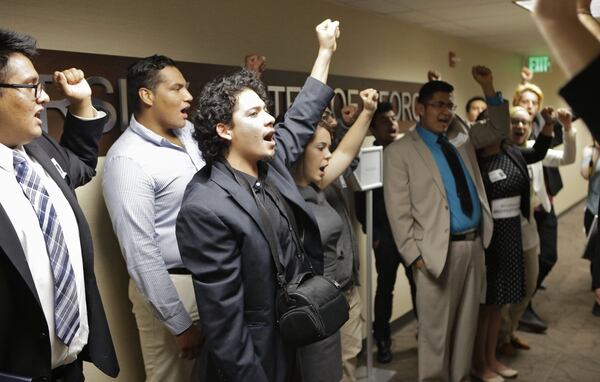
x,y
62,173
496,175
506,207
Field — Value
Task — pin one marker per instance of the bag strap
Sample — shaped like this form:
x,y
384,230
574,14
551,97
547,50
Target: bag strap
x,y
268,227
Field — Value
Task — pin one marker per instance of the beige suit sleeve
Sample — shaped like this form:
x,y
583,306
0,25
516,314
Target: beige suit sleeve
x,y
396,193
493,129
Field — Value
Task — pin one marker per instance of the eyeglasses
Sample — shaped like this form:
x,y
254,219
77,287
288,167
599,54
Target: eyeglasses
x,y
39,87
442,105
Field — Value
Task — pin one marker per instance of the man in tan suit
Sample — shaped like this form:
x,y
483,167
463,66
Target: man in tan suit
x,y
441,222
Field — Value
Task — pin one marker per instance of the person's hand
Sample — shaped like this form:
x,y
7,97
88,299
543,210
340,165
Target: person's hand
x,y
189,342
72,85
526,75
328,32
548,115
565,118
369,98
483,75
255,63
433,75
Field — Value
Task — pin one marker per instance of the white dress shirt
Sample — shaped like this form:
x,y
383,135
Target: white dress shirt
x,y
25,223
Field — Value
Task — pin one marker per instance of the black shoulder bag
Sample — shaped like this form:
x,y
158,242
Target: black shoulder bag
x,y
310,307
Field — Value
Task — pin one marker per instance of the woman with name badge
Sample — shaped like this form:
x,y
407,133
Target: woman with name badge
x,y
504,170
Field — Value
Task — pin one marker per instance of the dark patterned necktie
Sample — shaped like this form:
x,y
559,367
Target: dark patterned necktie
x,y
462,188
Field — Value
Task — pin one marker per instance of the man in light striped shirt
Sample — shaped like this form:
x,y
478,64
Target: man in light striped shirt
x,y
145,175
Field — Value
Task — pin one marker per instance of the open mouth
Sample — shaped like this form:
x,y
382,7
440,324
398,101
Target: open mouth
x,y
38,115
270,136
184,111
518,133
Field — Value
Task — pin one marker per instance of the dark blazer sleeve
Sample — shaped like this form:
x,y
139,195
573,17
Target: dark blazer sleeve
x,y
209,250
77,152
575,92
538,151
301,119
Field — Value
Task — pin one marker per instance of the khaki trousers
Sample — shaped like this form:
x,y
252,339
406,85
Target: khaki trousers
x,y
448,309
159,350
511,314
351,334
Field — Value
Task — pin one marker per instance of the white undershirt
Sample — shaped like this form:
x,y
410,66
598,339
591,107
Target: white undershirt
x,y
25,222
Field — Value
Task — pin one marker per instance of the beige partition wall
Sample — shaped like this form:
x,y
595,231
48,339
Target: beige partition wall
x,y
223,32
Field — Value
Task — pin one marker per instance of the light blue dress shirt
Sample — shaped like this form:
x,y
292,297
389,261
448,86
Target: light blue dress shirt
x,y
459,221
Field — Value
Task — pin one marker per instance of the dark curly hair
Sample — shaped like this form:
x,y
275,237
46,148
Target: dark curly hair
x,y
13,42
216,103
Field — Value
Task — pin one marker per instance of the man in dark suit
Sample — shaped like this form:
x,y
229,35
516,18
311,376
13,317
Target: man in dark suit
x,y
221,232
52,316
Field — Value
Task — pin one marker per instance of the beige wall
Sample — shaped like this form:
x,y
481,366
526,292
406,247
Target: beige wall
x,y
223,32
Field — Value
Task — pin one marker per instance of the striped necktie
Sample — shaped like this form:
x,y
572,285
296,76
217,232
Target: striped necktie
x,y
66,306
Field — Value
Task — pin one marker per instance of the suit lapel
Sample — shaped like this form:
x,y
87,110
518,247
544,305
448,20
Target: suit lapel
x,y
35,151
11,245
427,158
241,196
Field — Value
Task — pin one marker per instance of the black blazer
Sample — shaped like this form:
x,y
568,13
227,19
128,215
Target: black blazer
x,y
575,93
24,344
223,244
521,157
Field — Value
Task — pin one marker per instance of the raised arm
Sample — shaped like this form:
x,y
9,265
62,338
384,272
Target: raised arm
x,y
573,45
544,140
301,119
82,129
350,145
556,158
497,126
328,32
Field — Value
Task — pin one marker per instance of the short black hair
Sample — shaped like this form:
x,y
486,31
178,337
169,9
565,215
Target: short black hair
x,y
144,74
432,87
215,105
473,99
382,107
13,42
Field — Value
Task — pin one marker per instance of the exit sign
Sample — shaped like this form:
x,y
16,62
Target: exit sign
x,y
539,64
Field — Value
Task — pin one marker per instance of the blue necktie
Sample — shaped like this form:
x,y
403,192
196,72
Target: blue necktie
x,y
66,305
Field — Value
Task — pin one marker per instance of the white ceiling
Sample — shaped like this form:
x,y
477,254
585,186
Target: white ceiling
x,y
495,23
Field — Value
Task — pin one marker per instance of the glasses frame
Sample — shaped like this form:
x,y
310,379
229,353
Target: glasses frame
x,y
39,88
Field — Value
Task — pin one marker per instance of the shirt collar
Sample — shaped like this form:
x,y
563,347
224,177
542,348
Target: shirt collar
x,y
428,136
150,135
6,157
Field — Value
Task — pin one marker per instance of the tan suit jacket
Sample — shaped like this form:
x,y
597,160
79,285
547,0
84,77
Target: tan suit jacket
x,y
415,197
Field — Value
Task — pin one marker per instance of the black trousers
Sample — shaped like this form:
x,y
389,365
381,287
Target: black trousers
x,y
588,218
387,260
72,372
547,226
